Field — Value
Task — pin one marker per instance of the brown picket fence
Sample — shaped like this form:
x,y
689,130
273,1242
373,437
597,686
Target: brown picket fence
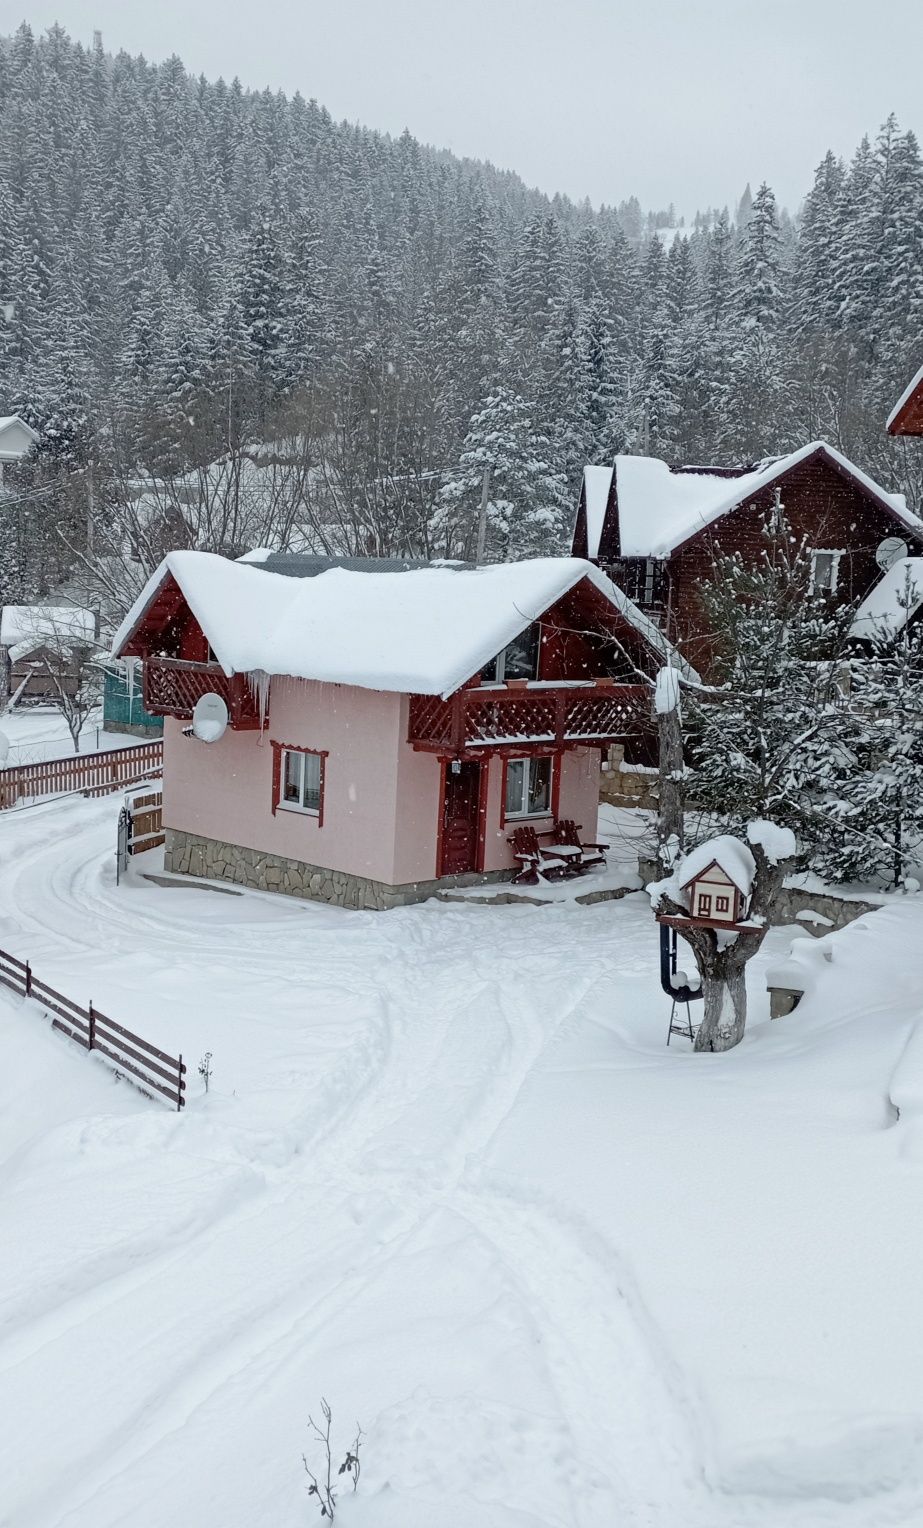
x,y
96,774
150,1070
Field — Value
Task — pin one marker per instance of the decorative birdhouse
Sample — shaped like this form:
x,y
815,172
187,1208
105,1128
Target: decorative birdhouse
x,y
716,879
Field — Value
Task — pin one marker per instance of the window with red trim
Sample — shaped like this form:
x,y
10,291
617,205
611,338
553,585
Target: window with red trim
x,y
527,788
298,780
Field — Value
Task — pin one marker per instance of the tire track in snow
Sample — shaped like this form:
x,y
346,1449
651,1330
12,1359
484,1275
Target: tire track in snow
x,y
631,1426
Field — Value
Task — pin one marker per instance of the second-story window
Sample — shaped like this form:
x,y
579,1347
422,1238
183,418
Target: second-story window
x,y
518,660
825,569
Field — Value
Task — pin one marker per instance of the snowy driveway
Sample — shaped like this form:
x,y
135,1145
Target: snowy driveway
x,y
449,1177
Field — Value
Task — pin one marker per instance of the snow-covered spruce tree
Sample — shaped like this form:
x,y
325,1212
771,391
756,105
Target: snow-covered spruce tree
x,y
771,734
721,956
767,739
876,808
505,473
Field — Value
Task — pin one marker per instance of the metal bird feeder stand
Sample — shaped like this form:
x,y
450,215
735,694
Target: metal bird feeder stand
x,y
679,990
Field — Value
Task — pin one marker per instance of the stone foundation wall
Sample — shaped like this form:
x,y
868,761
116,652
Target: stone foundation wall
x,y
189,854
134,729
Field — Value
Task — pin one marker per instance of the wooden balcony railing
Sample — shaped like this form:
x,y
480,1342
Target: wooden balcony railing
x,y
552,716
173,685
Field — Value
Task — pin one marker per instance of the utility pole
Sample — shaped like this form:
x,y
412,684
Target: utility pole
x,y
91,512
482,517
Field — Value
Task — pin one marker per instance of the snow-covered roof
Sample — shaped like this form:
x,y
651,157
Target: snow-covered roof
x,y
24,627
902,402
425,631
658,509
730,855
7,423
896,597
596,484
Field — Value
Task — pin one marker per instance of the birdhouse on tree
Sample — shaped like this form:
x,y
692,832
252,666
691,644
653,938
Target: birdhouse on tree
x,y
716,880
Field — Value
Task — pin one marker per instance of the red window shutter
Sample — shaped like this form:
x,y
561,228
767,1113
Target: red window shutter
x,y
276,776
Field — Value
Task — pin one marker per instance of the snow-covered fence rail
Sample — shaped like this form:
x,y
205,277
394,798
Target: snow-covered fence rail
x,y
147,1068
96,774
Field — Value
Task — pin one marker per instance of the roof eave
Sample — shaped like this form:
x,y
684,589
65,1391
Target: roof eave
x,y
840,466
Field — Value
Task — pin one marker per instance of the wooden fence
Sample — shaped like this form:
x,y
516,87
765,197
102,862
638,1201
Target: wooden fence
x,y
148,1069
96,774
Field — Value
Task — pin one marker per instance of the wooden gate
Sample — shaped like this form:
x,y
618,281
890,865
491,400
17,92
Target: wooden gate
x,y
145,821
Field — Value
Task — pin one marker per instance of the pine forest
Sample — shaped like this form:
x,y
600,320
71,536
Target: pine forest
x,y
235,322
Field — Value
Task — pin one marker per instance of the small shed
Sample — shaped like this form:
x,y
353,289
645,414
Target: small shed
x,y
123,701
34,637
717,878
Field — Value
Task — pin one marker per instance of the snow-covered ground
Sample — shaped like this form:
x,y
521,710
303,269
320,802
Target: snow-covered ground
x,y
36,733
449,1176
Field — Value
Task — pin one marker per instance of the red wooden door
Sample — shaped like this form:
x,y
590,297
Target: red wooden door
x,y
460,820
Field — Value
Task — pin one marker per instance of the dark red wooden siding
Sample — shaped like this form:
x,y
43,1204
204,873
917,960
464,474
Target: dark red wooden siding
x,y
822,506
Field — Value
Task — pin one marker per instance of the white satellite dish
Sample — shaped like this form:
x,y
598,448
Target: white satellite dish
x,y
4,748
210,718
890,551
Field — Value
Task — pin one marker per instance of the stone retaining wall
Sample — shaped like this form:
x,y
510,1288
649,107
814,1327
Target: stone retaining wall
x,y
622,785
189,854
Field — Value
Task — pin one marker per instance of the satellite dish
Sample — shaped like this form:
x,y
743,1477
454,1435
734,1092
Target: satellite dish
x,y
890,551
4,748
210,718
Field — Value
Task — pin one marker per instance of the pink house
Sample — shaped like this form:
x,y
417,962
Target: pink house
x,y
388,730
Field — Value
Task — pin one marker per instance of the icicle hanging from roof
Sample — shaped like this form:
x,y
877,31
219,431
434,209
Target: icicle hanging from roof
x,y
258,680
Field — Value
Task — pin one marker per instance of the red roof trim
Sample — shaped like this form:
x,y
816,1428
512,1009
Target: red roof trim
x,y
909,418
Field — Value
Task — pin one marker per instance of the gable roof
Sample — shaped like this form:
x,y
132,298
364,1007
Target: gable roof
x,y
11,453
730,854
423,631
653,509
893,601
906,417
309,564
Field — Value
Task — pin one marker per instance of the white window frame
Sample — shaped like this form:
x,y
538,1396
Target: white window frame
x,y
499,662
834,570
298,806
524,813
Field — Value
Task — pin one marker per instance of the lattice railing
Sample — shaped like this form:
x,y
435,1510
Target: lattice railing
x,y
173,685
431,720
608,715
478,718
509,717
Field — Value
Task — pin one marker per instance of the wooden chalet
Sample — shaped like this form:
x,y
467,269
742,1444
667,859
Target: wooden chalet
x,y
906,417
387,730
657,529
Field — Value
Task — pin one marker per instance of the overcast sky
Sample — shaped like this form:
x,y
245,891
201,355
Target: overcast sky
x,y
669,100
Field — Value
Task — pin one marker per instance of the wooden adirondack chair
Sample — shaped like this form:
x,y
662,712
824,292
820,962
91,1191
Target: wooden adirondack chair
x,y
566,835
534,861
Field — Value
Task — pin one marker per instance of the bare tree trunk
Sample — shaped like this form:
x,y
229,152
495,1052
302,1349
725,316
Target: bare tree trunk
x,y
671,831
724,992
